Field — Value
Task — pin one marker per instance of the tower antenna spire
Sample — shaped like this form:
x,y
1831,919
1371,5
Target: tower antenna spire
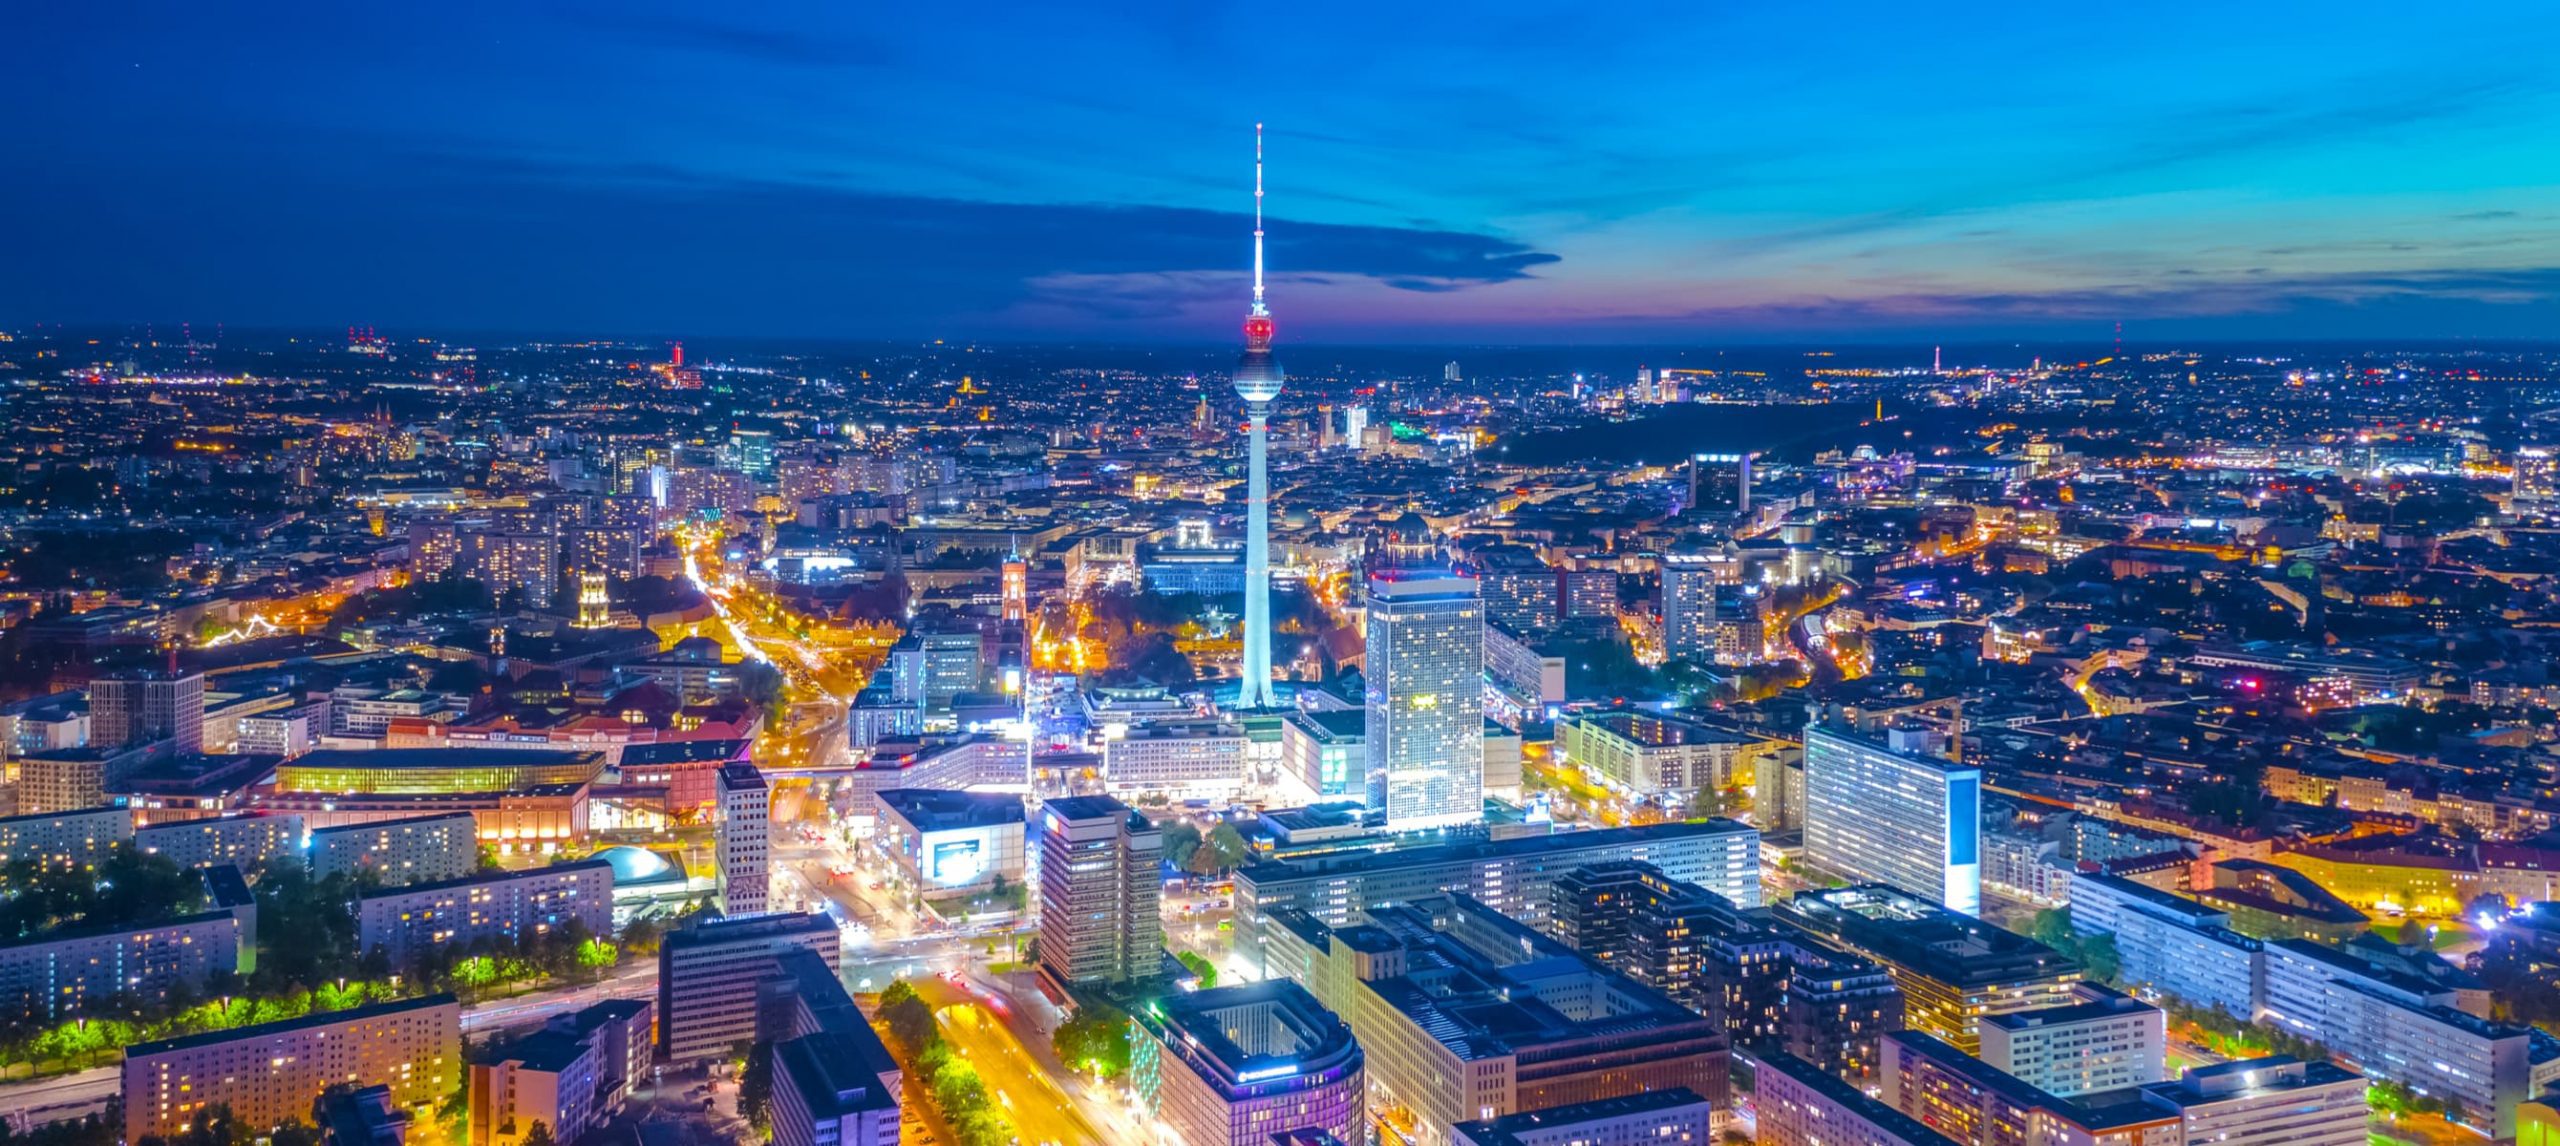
x,y
1257,218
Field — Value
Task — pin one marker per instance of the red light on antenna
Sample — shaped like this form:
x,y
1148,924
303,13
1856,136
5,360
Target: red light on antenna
x,y
1258,327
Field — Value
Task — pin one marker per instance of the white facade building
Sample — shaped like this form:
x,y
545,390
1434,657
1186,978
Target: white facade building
x,y
1894,813
2106,1041
745,836
949,844
1189,756
2267,1102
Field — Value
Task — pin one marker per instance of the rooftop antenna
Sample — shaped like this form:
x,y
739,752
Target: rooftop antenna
x,y
1257,220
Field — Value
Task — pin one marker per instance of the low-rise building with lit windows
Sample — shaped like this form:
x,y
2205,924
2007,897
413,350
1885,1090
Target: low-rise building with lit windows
x,y
2267,1102
421,771
274,1071
1674,1117
64,841
948,844
55,974
1799,1104
242,840
412,849
510,905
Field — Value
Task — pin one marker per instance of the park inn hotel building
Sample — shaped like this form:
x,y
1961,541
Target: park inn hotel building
x,y
1425,731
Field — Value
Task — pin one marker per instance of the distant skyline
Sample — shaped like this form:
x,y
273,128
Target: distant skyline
x,y
1505,172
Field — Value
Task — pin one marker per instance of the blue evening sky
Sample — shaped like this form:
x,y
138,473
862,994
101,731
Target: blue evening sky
x,y
1497,170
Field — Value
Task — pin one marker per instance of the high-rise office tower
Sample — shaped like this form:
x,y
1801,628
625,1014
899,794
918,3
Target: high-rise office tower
x,y
1355,426
710,974
745,837
1894,812
1099,891
1720,483
1449,373
505,561
1689,584
751,451
1257,382
146,705
1425,734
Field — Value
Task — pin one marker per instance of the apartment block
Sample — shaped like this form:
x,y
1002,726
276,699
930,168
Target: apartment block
x,y
515,906
243,840
401,851
274,1071
2105,1041
1800,1104
64,841
57,973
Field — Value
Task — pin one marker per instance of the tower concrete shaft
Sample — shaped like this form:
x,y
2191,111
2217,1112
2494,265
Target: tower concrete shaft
x,y
1257,691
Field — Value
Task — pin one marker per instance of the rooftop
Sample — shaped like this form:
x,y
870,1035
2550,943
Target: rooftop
x,y
1485,986
2097,1003
281,1026
717,931
1277,871
439,758
1660,731
1507,1130
402,822
1251,1033
1085,807
935,810
1924,937
2246,1078
481,877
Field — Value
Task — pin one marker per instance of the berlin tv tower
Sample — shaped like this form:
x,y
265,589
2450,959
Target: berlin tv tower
x,y
1257,382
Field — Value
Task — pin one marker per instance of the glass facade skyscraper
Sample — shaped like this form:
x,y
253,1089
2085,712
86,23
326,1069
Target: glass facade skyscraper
x,y
1894,812
1425,738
